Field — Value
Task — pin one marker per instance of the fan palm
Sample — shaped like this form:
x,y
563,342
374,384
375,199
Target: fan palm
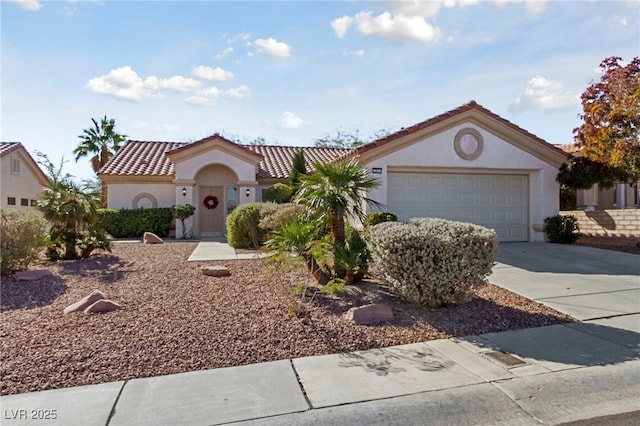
x,y
100,142
333,192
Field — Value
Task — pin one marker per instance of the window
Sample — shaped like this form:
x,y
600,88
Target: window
x,y
15,165
11,201
33,203
24,202
232,199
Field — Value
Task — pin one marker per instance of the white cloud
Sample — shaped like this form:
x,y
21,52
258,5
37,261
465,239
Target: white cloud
x,y
124,83
238,37
224,52
341,25
204,97
178,84
240,92
290,120
28,5
533,7
212,74
542,94
398,27
273,47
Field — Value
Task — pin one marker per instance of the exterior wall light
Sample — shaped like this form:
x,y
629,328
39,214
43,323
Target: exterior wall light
x,y
248,192
184,192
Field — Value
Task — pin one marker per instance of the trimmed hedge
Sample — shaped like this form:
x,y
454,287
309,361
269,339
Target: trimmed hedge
x,y
135,222
243,229
432,262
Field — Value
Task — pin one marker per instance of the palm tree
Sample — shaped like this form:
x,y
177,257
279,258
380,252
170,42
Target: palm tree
x,y
100,142
71,208
333,191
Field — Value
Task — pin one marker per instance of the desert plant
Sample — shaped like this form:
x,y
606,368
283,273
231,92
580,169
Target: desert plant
x,y
331,193
273,216
243,230
279,193
72,211
353,257
374,218
21,239
182,212
432,261
562,229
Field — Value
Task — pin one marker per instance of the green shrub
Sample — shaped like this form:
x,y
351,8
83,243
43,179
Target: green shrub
x,y
374,218
279,193
432,261
22,237
562,229
272,215
243,230
134,223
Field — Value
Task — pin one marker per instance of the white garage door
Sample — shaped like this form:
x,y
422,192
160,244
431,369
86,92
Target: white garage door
x,y
500,202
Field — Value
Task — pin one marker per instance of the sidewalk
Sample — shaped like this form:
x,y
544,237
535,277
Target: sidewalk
x,y
545,375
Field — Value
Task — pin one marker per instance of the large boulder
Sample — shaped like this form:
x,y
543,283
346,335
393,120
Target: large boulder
x,y
101,306
33,275
85,302
215,271
370,314
151,238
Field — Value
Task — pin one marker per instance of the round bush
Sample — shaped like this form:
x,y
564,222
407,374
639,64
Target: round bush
x,y
23,236
243,230
432,262
374,218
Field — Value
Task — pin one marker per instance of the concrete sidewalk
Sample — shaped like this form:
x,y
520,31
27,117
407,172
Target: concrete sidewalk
x,y
545,375
220,250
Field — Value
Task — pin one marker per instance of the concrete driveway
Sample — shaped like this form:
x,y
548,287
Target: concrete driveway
x,y
584,282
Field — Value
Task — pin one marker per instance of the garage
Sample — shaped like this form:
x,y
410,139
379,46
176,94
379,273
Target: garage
x,y
497,201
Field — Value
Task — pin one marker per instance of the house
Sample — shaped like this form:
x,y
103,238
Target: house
x,y
467,164
621,196
22,179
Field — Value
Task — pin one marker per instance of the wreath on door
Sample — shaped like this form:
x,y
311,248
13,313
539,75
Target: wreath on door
x,y
210,202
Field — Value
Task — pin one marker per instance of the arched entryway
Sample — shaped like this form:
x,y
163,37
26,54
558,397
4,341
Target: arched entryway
x,y
217,195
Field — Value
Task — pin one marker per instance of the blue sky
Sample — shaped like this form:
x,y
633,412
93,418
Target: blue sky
x,y
292,72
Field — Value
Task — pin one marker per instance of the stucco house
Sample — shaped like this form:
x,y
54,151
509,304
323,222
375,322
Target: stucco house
x,y
22,180
466,164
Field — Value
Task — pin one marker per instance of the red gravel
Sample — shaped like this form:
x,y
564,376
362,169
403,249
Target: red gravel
x,y
174,319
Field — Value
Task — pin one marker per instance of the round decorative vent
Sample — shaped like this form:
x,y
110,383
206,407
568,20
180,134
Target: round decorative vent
x,y
468,144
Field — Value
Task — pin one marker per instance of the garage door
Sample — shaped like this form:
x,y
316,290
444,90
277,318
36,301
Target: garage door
x,y
499,202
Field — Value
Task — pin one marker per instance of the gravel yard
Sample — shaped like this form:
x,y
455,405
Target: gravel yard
x,y
174,319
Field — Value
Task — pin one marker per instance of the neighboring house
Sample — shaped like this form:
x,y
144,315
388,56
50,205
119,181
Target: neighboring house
x,y
467,164
621,196
22,179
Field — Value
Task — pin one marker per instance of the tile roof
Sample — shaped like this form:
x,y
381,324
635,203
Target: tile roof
x,y
444,116
7,147
277,159
147,158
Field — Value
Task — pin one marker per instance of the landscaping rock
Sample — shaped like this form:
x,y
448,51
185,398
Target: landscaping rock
x,y
215,271
370,314
34,275
151,238
85,302
101,306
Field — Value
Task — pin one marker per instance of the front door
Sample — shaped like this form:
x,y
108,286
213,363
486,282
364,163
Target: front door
x,y
211,208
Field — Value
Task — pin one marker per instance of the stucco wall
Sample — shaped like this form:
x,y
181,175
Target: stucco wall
x,y
618,222
122,195
437,154
21,186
